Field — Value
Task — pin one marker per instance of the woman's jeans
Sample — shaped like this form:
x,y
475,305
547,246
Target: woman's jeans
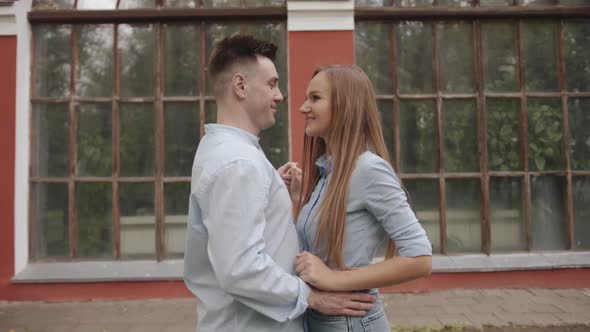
x,y
373,321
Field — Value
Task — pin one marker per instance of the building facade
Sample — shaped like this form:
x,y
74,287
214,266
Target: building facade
x,y
485,106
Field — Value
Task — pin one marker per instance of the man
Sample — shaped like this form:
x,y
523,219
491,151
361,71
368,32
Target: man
x,y
241,240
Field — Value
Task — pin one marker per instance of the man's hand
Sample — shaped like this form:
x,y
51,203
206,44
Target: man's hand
x,y
313,271
349,304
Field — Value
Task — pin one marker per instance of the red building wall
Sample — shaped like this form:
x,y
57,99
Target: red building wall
x,y
307,50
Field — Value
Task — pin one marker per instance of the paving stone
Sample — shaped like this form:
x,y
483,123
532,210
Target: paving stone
x,y
479,319
478,307
544,319
453,318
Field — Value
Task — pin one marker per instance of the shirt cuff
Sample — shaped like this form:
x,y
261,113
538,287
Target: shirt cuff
x,y
304,291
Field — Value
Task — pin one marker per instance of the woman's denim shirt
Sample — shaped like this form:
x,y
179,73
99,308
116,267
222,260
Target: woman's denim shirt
x,y
376,209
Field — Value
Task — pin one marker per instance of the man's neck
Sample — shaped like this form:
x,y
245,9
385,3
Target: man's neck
x,y
235,118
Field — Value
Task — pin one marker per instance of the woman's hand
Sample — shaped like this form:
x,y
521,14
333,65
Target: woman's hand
x,y
292,176
312,270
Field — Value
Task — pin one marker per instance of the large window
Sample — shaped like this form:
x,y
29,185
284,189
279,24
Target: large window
x,y
117,112
488,122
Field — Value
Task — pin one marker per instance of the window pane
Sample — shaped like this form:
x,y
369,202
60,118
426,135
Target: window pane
x,y
137,49
137,139
94,203
97,4
181,3
499,56
414,51
577,55
176,196
548,213
210,112
52,60
456,67
579,122
574,2
215,33
416,3
276,33
221,3
50,219
52,139
386,112
418,136
536,2
265,3
494,3
460,136
581,187
540,56
95,139
506,205
374,54
52,4
463,215
181,137
503,134
372,3
96,77
424,199
182,74
454,3
131,4
545,134
137,220
275,140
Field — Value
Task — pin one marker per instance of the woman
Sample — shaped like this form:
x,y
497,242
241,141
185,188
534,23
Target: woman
x,y
350,201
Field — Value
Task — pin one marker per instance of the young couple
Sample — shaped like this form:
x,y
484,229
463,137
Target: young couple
x,y
251,267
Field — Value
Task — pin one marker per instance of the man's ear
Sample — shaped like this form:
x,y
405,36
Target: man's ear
x,y
238,85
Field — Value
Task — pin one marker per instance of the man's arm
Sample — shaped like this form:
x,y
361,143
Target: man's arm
x,y
232,206
339,303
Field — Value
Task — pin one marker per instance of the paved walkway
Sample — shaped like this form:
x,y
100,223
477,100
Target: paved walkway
x,y
499,307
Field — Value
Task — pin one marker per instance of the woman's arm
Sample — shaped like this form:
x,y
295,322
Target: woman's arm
x,y
385,199
389,272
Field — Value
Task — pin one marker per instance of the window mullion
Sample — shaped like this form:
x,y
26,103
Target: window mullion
x,y
73,167
524,138
116,145
202,59
439,119
566,146
482,138
159,135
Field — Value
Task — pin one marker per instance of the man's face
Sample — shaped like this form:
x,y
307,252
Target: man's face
x,y
262,93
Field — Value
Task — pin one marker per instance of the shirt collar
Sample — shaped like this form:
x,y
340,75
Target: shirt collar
x,y
324,164
212,128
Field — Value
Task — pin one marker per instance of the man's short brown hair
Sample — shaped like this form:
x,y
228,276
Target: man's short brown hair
x,y
234,50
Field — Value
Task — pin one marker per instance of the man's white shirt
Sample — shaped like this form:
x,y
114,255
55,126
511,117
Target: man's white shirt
x,y
241,240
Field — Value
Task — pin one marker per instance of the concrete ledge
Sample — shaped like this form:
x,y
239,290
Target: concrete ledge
x,y
173,269
100,271
510,262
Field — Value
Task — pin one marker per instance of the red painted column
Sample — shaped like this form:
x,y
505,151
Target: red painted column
x,y
7,141
307,51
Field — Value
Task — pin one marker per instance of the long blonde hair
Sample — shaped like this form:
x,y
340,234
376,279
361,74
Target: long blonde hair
x,y
355,127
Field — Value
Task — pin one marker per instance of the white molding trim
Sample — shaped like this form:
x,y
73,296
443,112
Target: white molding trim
x,y
173,269
22,144
320,15
7,23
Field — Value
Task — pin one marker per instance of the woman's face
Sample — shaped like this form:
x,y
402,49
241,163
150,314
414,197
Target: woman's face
x,y
317,107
